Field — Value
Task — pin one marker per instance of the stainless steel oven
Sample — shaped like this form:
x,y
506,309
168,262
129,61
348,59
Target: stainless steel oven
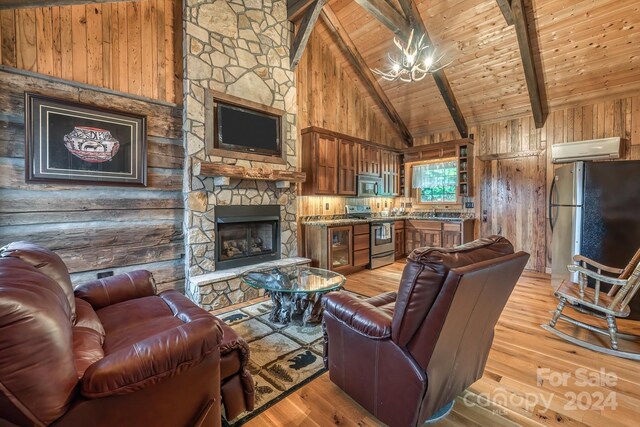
x,y
369,186
382,244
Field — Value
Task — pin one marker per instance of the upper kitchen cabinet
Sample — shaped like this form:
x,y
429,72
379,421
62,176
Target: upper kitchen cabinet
x,y
333,161
320,162
369,160
347,167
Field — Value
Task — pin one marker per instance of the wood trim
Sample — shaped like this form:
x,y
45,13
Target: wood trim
x,y
304,32
210,127
295,8
335,27
505,8
515,155
387,15
241,172
533,76
439,145
323,131
19,4
411,11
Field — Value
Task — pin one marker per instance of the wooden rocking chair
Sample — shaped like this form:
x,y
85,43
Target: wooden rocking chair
x,y
608,306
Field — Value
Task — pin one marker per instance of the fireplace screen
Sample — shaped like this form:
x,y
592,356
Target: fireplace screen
x,y
247,235
246,239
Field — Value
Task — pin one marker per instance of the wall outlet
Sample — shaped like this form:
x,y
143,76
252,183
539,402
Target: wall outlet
x,y
468,205
326,206
105,274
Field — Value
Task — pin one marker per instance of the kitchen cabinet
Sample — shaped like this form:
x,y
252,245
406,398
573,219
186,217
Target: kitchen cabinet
x,y
344,249
320,162
340,249
369,160
429,233
398,230
332,162
347,167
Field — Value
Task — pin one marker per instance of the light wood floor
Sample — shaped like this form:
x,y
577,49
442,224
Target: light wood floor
x,y
509,393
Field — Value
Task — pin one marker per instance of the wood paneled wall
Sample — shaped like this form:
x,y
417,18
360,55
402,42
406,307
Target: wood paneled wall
x,y
132,47
513,180
96,228
330,98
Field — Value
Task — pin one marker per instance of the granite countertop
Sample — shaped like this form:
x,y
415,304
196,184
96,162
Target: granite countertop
x,y
351,221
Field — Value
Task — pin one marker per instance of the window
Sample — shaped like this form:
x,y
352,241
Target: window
x,y
436,182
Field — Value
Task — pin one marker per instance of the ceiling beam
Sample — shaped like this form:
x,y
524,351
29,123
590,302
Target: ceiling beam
x,y
505,7
335,27
411,11
388,15
18,4
532,73
304,31
295,8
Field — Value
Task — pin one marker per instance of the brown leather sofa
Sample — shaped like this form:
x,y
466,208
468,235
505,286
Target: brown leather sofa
x,y
112,353
404,356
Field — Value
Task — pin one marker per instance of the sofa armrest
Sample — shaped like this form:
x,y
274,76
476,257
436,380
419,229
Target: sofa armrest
x,y
151,360
112,290
358,314
382,299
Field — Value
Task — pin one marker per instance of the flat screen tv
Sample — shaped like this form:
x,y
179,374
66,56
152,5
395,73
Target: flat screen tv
x,y
247,130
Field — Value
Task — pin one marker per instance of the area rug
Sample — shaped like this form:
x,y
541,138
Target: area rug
x,y
283,358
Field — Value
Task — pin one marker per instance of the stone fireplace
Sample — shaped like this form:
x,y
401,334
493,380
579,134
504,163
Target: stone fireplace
x,y
239,48
246,235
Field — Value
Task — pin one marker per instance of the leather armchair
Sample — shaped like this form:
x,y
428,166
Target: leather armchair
x,y
404,356
113,353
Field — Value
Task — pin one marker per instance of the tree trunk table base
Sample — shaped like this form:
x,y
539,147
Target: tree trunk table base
x,y
298,308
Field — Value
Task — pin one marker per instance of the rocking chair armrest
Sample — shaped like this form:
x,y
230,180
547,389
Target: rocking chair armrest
x,y
596,276
580,258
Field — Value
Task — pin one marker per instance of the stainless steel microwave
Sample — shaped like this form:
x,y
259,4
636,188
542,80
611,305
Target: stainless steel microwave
x,y
369,186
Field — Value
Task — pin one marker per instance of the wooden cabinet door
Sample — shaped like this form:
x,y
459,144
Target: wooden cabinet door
x,y
347,167
430,238
386,172
396,161
369,160
412,239
326,175
451,239
399,243
340,251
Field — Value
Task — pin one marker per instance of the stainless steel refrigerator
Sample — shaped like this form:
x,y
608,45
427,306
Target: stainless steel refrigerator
x,y
594,210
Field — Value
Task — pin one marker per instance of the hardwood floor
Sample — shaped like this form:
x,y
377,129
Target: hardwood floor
x,y
509,393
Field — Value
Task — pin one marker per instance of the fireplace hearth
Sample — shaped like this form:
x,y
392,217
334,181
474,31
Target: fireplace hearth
x,y
246,235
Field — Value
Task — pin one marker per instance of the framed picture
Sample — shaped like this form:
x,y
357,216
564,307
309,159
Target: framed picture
x,y
72,142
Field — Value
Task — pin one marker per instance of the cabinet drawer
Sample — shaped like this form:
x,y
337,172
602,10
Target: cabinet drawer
x,y
452,226
426,225
361,241
361,258
361,229
399,225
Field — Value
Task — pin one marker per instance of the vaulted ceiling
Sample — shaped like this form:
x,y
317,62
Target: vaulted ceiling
x,y
585,49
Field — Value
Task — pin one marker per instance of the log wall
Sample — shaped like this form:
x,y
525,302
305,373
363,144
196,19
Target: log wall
x,y
513,168
96,228
133,47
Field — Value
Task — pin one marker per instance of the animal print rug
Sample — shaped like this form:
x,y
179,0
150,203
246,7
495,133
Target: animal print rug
x,y
283,358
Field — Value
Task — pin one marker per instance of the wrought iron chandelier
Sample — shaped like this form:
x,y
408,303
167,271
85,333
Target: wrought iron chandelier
x,y
415,61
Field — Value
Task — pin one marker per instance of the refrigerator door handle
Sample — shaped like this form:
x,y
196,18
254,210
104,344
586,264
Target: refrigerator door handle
x,y
553,186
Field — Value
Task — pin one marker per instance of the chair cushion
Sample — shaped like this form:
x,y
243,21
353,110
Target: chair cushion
x,y
48,263
37,369
87,348
424,275
131,321
86,317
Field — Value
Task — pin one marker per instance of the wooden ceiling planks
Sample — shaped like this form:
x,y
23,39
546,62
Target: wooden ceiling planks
x,y
587,50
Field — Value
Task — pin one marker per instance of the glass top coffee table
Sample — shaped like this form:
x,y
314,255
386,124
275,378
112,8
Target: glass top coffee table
x,y
295,291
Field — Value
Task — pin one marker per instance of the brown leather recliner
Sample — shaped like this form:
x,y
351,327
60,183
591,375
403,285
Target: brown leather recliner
x,y
113,353
405,356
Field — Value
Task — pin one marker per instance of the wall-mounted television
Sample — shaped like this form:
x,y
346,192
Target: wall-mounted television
x,y
235,125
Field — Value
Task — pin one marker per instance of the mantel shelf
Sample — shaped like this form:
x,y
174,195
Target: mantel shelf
x,y
223,172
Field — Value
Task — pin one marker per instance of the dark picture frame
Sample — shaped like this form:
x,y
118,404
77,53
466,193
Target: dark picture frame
x,y
70,142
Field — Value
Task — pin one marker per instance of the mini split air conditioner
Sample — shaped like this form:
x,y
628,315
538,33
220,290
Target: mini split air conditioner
x,y
595,149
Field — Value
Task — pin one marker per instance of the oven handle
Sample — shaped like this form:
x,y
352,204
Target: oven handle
x,y
375,188
382,255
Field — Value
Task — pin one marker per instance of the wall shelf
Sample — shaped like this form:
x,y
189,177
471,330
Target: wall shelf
x,y
223,173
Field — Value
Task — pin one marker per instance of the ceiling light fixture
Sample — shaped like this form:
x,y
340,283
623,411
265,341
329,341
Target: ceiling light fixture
x,y
414,64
